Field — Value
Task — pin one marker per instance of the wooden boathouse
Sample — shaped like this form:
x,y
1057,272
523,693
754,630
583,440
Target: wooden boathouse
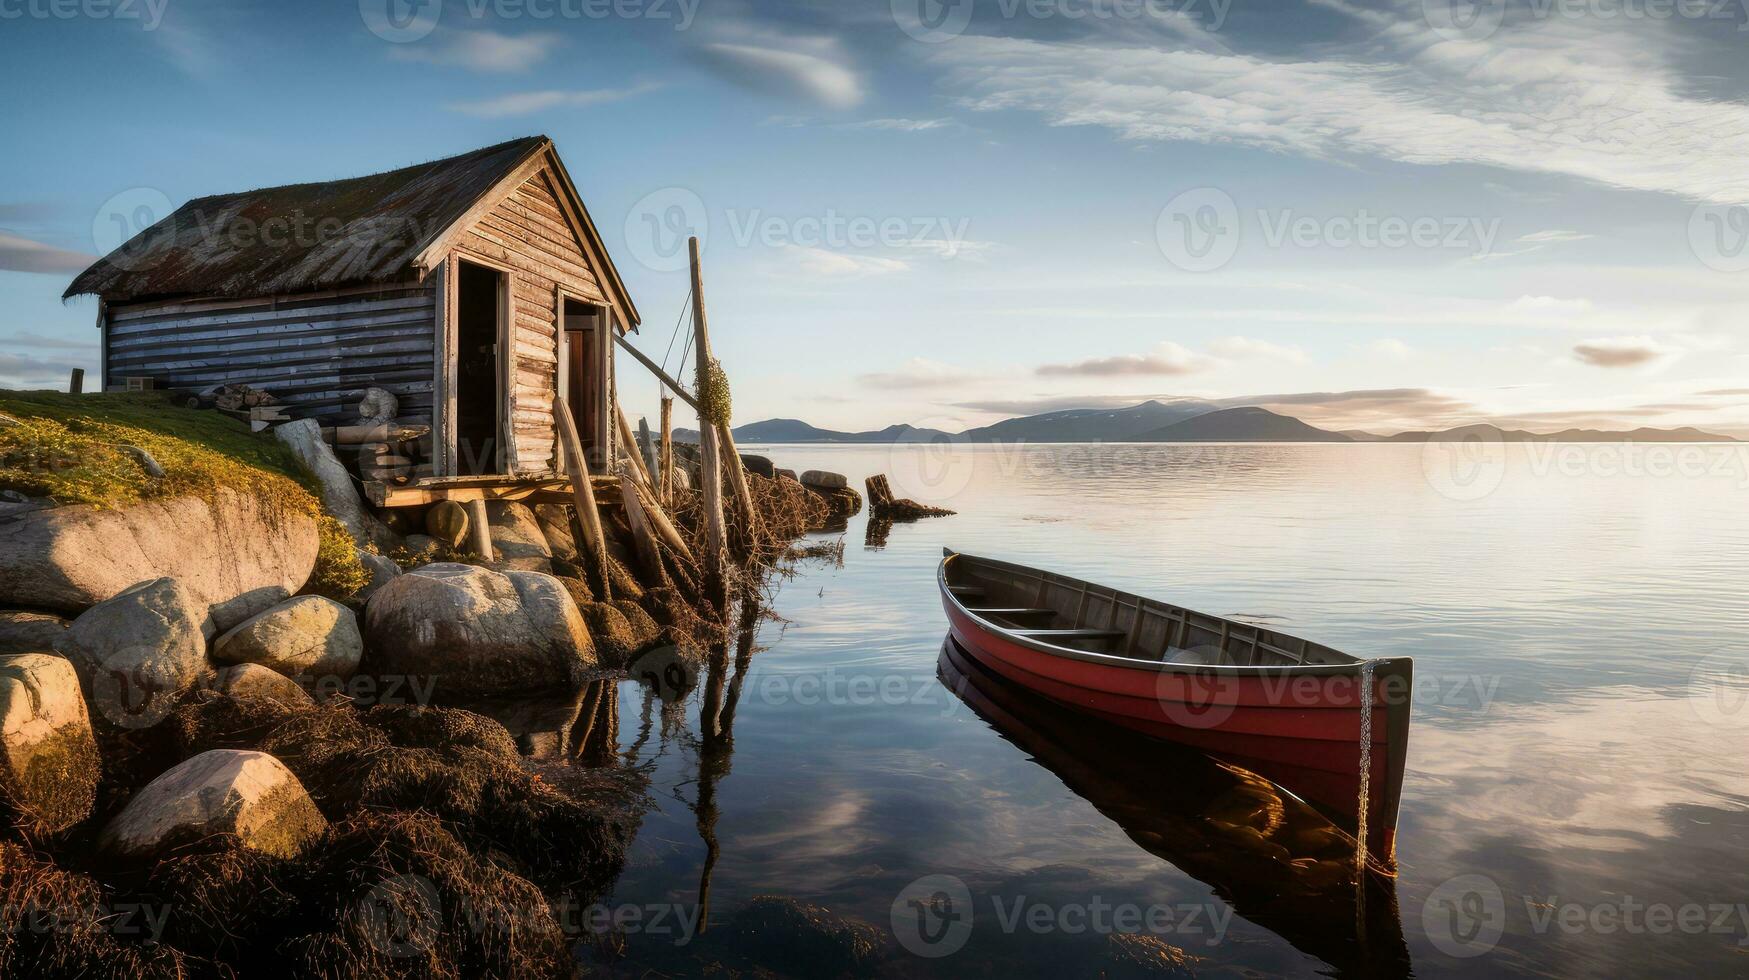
x,y
473,288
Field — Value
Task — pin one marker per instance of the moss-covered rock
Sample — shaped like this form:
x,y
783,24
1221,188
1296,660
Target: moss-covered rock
x,y
48,757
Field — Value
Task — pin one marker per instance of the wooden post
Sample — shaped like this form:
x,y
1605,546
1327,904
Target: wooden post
x,y
665,461
76,384
711,480
648,554
479,530
880,493
631,448
647,449
659,519
583,492
738,480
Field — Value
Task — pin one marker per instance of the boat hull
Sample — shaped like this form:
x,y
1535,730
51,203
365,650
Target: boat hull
x,y
1304,721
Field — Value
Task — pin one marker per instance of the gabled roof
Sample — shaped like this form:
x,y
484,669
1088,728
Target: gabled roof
x,y
302,237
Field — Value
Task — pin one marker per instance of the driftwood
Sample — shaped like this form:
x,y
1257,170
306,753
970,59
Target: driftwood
x,y
359,435
665,492
738,480
883,506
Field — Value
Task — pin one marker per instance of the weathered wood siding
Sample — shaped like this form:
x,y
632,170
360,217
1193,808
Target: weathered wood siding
x,y
315,352
528,233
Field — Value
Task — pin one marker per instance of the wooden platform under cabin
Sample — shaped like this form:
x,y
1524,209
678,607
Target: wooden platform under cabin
x,y
544,489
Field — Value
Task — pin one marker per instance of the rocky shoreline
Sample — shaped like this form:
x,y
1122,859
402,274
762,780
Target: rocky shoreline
x,y
215,707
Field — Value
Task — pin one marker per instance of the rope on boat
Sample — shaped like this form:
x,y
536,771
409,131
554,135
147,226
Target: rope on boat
x,y
1360,833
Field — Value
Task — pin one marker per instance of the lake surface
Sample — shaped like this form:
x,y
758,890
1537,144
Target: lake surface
x,y
1577,795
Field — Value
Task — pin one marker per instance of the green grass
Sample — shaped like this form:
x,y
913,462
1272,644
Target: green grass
x,y
70,448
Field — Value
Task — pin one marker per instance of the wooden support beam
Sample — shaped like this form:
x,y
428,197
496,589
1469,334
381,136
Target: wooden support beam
x,y
629,443
649,555
479,530
647,449
655,369
659,518
710,478
76,384
584,491
665,462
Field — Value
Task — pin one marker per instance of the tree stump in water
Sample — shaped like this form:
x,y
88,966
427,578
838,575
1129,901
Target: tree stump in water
x,y
882,505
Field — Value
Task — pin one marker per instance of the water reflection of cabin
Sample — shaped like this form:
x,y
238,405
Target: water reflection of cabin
x,y
445,283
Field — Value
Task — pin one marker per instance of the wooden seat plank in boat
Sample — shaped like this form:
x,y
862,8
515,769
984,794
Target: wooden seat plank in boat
x,y
1227,686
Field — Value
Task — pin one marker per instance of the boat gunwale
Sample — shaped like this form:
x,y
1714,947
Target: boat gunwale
x,y
1137,663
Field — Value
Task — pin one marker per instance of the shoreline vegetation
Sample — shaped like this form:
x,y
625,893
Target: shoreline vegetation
x,y
251,756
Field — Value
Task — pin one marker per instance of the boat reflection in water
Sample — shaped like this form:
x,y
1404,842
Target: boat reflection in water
x,y
1273,857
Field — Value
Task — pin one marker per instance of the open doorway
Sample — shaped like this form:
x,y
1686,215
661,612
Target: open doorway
x,y
478,396
583,376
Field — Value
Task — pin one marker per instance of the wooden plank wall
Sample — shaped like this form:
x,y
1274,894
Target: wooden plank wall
x,y
527,233
315,351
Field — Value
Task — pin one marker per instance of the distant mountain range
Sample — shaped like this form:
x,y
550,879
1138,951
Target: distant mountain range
x,y
1185,421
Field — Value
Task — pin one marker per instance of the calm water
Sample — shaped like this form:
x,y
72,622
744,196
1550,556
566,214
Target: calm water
x,y
1576,799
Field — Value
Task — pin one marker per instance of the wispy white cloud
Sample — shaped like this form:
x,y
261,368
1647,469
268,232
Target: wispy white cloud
x,y
1167,358
814,69
480,50
899,125
524,103
1555,96
1248,348
807,260
1390,347
918,372
19,254
1623,352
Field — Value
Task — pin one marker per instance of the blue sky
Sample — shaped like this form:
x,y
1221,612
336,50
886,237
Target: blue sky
x,y
1389,215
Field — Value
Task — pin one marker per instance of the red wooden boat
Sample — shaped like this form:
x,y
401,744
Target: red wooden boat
x,y
1338,724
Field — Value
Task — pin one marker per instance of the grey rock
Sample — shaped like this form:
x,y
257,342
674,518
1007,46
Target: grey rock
x,y
517,539
475,631
555,525
256,681
48,757
339,496
308,637
757,464
137,651
824,479
224,791
70,558
29,632
381,570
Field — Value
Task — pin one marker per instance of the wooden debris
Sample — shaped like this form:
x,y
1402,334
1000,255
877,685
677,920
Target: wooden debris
x,y
649,555
584,491
883,506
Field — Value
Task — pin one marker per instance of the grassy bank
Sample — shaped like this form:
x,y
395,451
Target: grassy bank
x,y
86,449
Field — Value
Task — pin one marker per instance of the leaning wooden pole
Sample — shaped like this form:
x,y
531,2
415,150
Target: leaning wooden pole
x,y
583,494
738,480
643,538
665,461
631,448
710,477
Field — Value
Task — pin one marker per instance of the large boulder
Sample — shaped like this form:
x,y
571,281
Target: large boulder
x,y
29,632
758,464
518,542
256,681
447,524
48,757
304,438
555,525
135,652
235,545
824,479
308,637
224,791
475,631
